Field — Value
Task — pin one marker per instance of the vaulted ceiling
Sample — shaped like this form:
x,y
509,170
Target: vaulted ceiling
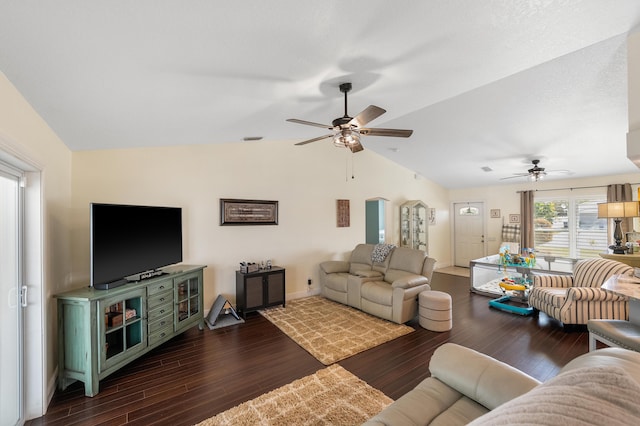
x,y
483,83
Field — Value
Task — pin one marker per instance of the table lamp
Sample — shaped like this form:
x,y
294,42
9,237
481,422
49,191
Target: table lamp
x,y
617,211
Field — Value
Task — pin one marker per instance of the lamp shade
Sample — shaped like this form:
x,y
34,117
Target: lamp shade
x,y
619,209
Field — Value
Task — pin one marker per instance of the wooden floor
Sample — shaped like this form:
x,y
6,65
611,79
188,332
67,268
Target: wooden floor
x,y
201,373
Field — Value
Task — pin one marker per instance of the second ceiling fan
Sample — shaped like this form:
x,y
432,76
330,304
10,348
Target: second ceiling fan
x,y
347,130
536,173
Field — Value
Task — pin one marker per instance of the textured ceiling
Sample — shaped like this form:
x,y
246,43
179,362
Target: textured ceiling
x,y
483,83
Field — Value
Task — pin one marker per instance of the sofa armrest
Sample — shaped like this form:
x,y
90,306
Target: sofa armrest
x,y
428,267
333,266
410,281
561,281
593,294
478,376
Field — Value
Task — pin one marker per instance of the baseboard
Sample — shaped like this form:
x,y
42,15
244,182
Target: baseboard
x,y
303,294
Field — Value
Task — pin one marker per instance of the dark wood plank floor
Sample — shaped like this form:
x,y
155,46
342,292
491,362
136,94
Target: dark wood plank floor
x,y
201,373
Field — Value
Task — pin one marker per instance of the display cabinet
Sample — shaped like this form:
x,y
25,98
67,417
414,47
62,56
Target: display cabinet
x,y
414,225
100,331
486,273
259,290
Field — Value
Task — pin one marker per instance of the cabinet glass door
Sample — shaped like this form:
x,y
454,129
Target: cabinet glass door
x,y
188,299
413,225
420,226
124,328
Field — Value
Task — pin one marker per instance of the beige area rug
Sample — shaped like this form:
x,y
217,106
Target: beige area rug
x,y
331,396
331,331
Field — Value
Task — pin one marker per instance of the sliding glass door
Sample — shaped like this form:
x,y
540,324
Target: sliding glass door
x,y
11,344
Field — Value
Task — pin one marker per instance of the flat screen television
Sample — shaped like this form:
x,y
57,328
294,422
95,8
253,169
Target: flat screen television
x,y
131,242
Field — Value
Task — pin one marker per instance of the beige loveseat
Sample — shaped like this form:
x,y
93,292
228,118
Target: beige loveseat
x,y
599,388
387,289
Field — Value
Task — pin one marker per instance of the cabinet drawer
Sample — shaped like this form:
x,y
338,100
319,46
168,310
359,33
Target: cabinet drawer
x,y
166,297
153,289
160,323
159,312
161,335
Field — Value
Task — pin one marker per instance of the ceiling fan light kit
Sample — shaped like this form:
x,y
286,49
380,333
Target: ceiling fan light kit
x,y
346,138
536,173
348,130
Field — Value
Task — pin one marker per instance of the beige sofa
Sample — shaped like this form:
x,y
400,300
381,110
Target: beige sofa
x,y
466,386
387,289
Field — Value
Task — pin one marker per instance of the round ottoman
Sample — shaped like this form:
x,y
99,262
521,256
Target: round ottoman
x,y
434,310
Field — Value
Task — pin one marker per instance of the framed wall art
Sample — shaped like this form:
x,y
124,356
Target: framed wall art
x,y
343,213
248,212
432,216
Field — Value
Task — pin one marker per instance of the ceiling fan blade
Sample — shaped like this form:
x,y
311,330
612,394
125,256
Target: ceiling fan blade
x,y
309,123
356,147
516,175
398,133
370,113
319,138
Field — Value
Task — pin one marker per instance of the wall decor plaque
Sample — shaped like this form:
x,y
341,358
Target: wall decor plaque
x,y
343,214
248,212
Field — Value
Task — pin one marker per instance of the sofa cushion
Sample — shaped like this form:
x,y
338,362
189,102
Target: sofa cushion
x,y
337,281
594,272
550,295
378,292
586,396
407,259
409,281
361,258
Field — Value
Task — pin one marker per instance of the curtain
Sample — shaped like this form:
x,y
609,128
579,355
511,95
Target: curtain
x,y
526,220
621,192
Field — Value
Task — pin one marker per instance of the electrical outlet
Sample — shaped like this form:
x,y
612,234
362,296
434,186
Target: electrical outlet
x,y
309,281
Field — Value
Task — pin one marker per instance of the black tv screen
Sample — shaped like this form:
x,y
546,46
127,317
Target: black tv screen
x,y
127,240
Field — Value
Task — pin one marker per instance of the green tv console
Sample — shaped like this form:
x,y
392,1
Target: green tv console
x,y
100,331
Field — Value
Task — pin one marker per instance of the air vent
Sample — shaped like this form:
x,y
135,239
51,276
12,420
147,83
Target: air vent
x,y
487,169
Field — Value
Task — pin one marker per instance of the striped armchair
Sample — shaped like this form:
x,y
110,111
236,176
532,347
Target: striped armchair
x,y
577,298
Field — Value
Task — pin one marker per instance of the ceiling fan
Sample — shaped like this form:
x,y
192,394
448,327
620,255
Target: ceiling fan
x,y
347,130
536,173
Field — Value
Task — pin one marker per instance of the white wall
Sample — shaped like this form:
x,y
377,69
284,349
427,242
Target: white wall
x,y
305,180
507,198
28,139
633,76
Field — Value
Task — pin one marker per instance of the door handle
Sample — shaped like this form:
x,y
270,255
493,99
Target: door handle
x,y
23,296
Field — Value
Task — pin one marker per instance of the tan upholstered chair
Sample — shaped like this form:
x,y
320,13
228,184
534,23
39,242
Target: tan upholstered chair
x,y
577,298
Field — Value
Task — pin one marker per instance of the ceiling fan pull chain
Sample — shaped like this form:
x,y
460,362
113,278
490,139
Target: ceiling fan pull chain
x,y
352,166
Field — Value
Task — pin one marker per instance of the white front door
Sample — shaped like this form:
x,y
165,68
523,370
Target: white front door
x,y
11,329
468,232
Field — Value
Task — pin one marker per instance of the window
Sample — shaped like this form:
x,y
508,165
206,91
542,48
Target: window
x,y
568,226
469,211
